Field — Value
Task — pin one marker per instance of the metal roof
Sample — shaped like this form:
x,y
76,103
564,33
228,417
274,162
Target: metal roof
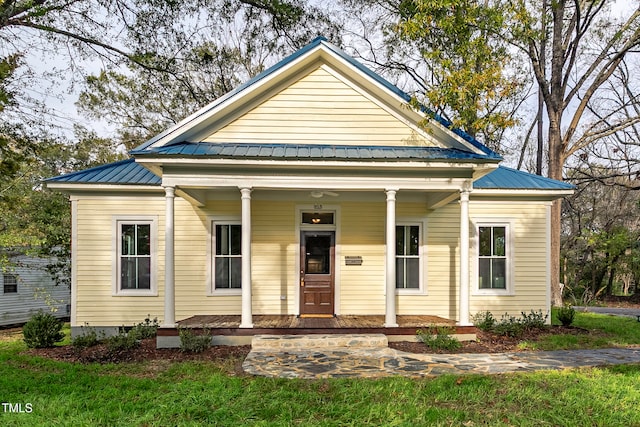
x,y
312,152
126,172
358,65
504,178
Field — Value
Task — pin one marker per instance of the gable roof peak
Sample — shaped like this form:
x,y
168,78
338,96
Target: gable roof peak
x,y
318,49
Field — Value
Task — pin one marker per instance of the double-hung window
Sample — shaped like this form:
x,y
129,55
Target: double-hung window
x,y
228,256
135,256
493,250
408,257
10,283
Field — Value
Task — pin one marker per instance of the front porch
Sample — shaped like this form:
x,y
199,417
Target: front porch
x,y
226,330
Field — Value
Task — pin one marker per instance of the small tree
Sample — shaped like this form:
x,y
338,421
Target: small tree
x,y
43,330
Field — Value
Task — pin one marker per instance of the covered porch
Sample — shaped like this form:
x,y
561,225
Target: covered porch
x,y
226,329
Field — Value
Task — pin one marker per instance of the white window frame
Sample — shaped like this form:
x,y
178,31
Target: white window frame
x,y
4,283
508,225
211,249
118,221
421,224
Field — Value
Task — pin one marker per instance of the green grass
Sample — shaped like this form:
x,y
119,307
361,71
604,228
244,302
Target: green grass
x,y
197,393
596,331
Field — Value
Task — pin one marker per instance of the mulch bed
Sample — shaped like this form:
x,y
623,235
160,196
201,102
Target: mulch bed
x,y
147,351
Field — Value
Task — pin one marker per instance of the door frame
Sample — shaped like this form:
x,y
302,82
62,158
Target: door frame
x,y
335,227
332,251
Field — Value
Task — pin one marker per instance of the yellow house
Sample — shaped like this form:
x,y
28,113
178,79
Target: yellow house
x,y
312,190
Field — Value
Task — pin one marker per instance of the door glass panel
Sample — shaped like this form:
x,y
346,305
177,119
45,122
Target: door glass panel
x,y
318,254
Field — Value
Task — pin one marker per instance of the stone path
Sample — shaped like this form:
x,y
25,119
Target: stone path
x,y
370,361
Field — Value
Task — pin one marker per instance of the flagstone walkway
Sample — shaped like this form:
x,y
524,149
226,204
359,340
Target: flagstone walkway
x,y
379,361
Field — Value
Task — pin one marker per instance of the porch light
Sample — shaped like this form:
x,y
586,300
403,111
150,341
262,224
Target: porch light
x,y
316,220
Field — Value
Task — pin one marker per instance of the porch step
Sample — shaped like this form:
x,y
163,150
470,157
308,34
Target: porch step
x,y
298,342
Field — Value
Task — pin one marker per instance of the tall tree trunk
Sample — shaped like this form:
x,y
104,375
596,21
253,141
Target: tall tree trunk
x,y
555,172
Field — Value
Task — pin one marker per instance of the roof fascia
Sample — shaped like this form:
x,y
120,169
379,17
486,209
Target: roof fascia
x,y
72,187
543,194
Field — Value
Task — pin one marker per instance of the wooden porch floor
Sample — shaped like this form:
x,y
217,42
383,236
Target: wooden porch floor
x,y
293,325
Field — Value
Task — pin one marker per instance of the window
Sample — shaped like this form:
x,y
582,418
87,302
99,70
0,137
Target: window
x,y
10,282
135,260
492,257
228,256
407,257
135,256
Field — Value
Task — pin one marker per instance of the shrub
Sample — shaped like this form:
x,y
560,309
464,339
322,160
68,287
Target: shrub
x,y
509,326
122,341
192,343
566,315
534,320
439,338
146,329
484,321
87,338
42,330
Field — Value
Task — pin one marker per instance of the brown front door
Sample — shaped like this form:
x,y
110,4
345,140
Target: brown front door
x,y
317,272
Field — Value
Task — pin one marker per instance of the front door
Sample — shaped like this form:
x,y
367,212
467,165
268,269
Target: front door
x,y
317,272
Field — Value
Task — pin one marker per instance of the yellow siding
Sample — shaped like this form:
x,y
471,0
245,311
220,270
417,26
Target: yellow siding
x,y
273,257
361,231
530,257
320,108
95,303
440,265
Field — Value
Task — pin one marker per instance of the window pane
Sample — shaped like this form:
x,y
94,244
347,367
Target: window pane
x,y
414,240
10,284
400,240
236,239
484,241
236,273
317,217
499,241
484,273
144,239
128,239
128,273
222,273
318,254
222,240
400,273
144,272
498,272
413,273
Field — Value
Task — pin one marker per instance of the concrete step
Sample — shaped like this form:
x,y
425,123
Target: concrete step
x,y
304,342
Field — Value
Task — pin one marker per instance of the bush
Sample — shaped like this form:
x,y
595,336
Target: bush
x,y
484,321
439,338
566,315
42,330
87,338
534,320
192,343
509,326
122,341
146,329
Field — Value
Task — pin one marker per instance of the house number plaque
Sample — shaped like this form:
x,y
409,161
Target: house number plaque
x,y
353,260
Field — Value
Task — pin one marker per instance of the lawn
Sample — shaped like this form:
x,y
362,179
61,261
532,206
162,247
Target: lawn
x,y
197,393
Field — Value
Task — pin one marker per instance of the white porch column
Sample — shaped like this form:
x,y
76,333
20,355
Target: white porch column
x,y
247,316
463,318
390,302
169,260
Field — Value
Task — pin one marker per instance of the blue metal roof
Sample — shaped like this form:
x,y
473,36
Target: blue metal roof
x,y
312,151
126,172
365,70
504,178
